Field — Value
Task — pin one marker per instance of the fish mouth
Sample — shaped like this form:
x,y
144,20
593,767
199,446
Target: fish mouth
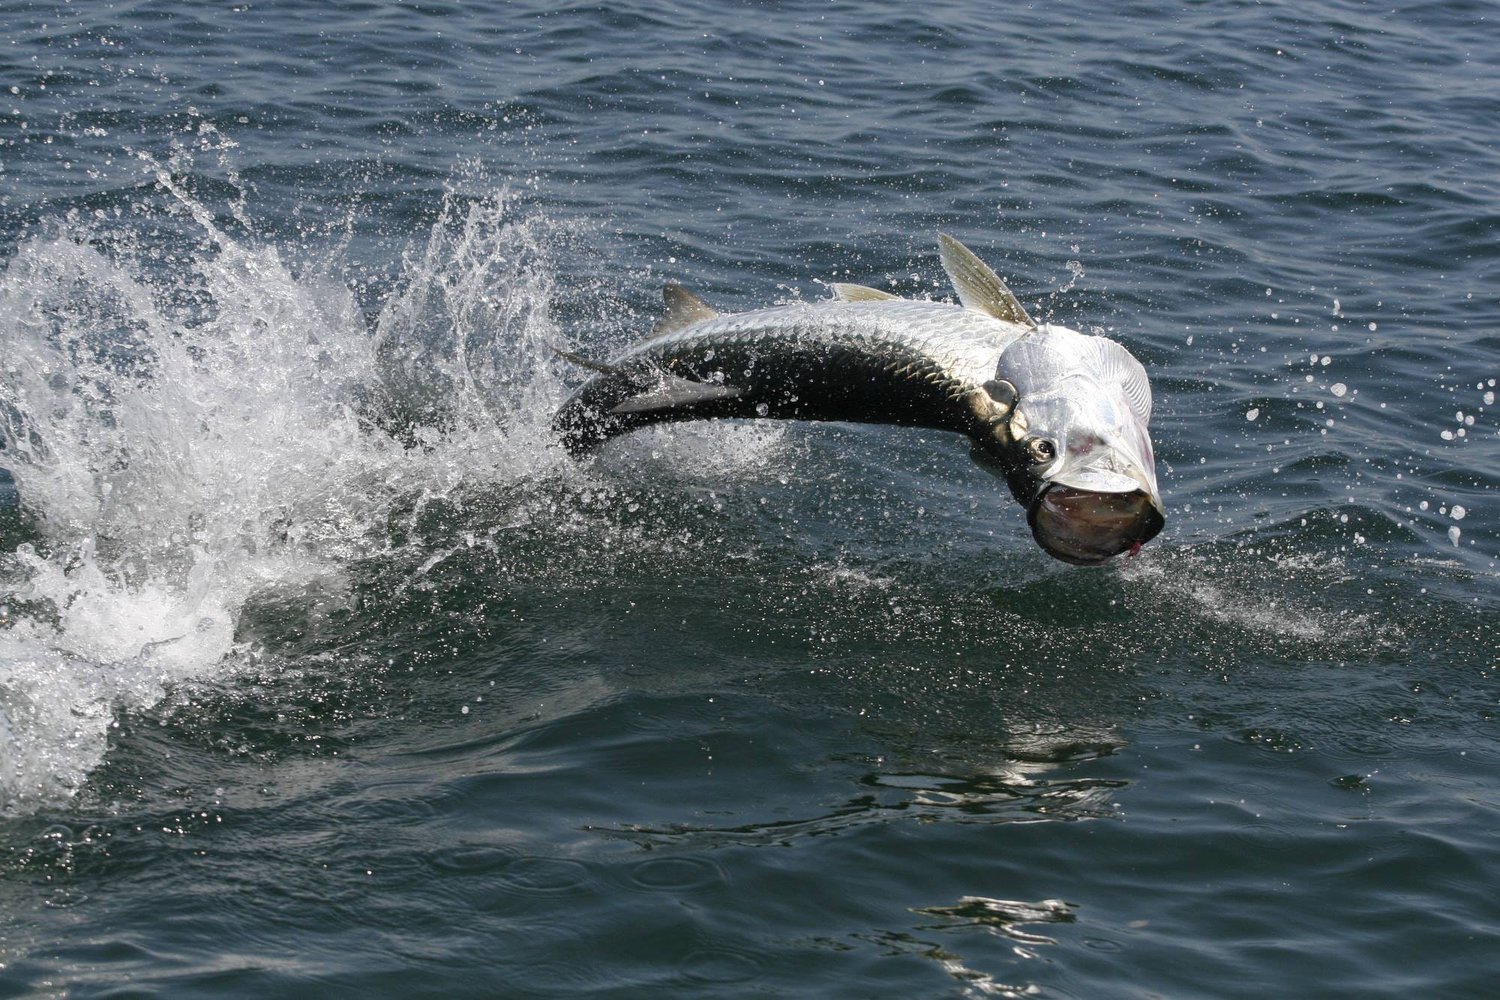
x,y
1087,527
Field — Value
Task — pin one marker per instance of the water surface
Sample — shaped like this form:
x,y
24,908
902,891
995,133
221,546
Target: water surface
x,y
324,672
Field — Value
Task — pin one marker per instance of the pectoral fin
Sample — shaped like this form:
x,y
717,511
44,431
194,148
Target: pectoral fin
x,y
673,393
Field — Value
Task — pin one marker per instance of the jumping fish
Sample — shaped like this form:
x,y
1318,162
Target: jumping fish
x,y
1062,416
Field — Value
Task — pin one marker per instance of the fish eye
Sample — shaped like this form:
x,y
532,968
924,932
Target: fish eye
x,y
1041,450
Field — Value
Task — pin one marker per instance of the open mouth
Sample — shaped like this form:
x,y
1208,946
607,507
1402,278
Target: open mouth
x,y
1085,527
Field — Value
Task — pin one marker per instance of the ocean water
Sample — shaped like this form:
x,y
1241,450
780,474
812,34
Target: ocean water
x,y
324,672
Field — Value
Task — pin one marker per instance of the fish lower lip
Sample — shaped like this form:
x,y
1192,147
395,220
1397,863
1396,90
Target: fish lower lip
x,y
1086,528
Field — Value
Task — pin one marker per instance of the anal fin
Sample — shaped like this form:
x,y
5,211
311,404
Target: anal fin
x,y
583,362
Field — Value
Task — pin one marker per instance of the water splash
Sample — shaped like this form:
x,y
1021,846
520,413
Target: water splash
x,y
186,430
1262,595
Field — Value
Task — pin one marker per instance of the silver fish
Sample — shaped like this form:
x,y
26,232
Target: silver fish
x,y
1061,415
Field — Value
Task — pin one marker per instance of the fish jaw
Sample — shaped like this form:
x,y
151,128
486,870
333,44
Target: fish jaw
x,y
1075,524
1088,527
1089,511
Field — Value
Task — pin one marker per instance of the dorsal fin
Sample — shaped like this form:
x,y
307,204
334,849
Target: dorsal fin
x,y
683,309
979,287
843,292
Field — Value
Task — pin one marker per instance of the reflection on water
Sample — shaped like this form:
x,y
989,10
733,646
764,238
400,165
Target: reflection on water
x,y
919,798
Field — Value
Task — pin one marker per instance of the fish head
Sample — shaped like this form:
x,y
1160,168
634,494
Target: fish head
x,y
1079,454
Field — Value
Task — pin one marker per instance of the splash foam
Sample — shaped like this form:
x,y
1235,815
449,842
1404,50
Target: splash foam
x,y
186,433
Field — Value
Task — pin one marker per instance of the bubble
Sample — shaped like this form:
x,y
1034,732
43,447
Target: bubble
x,y
1454,533
1458,512
1252,413
1338,389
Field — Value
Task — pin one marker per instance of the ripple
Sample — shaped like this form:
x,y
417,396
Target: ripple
x,y
680,874
63,898
472,859
543,876
721,967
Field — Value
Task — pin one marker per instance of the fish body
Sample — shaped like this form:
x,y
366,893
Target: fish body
x,y
1060,415
902,362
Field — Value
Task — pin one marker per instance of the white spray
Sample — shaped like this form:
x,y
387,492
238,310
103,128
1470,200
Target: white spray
x,y
184,433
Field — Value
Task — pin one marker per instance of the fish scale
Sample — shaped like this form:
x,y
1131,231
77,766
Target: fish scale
x,y
881,362
943,337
